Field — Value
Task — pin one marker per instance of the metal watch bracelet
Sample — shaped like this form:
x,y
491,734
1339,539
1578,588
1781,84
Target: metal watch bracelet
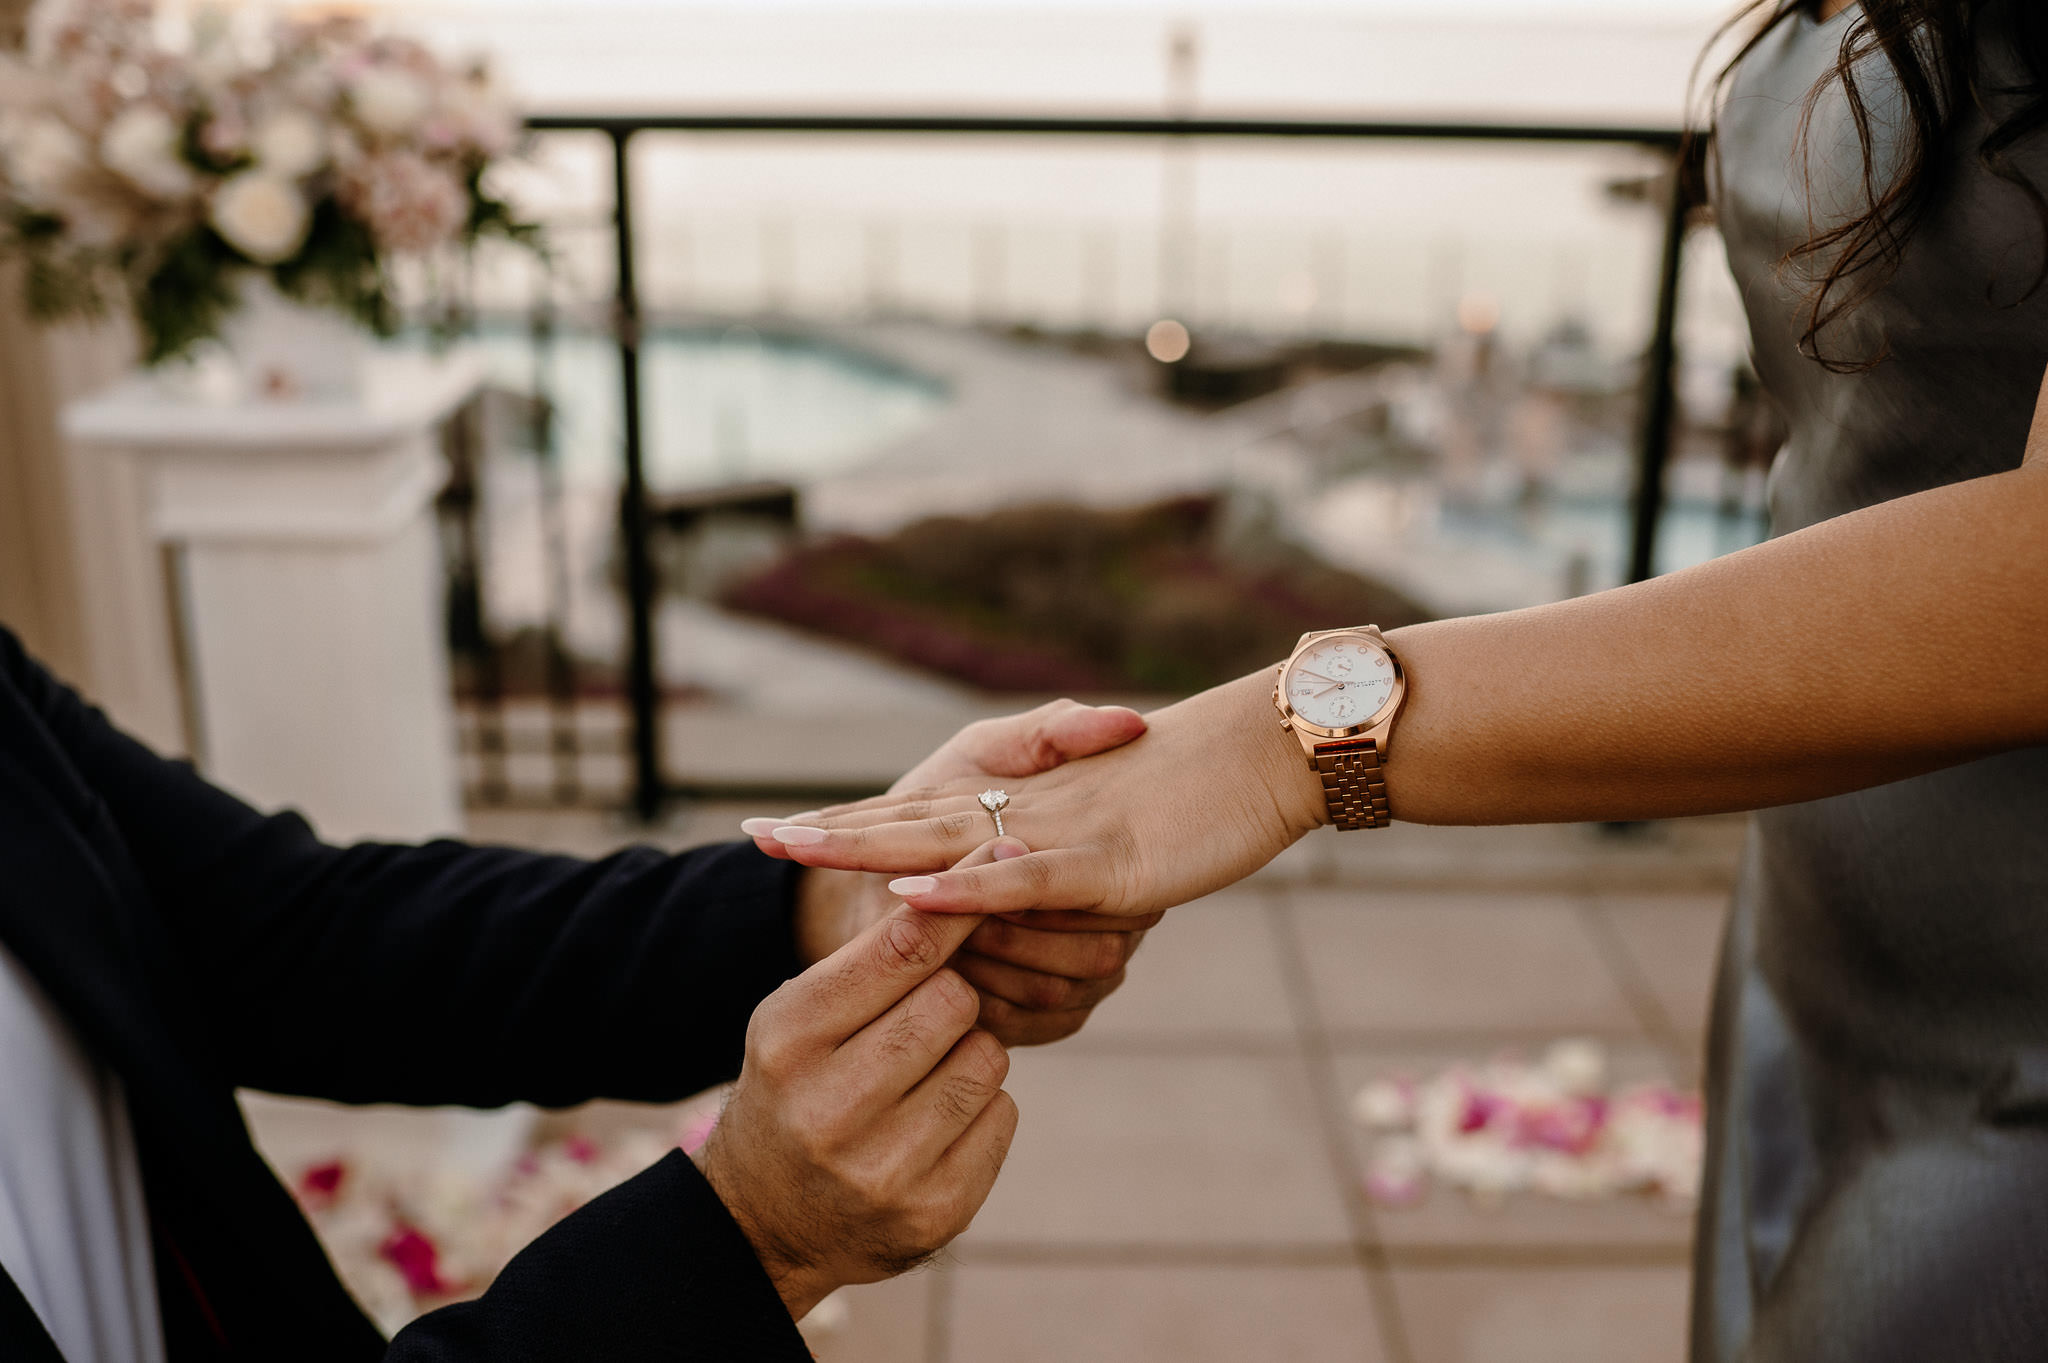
x,y
1353,782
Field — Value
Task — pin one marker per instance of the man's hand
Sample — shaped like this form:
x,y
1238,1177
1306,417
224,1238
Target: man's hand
x,y
1040,975
869,1120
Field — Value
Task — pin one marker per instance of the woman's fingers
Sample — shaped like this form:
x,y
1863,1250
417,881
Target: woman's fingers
x,y
1089,955
1084,920
1014,1026
926,845
1061,879
1033,989
919,798
901,811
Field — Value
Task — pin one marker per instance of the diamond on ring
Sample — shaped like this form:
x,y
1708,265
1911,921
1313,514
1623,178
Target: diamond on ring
x,y
995,802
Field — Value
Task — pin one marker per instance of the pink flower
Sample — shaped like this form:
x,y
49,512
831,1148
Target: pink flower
x,y
580,1150
407,202
1573,1126
320,1184
1481,1108
417,1258
224,136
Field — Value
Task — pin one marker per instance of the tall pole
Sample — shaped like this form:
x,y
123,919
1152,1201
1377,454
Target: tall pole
x,y
1660,382
1177,186
641,691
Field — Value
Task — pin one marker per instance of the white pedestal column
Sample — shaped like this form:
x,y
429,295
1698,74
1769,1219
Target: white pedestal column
x,y
305,589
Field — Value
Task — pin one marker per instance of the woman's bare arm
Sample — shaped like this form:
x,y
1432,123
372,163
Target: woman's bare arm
x,y
1872,647
1878,645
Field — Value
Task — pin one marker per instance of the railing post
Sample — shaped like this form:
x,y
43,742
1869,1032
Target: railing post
x,y
641,689
1660,380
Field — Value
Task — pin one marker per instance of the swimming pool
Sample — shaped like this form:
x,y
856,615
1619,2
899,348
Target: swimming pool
x,y
721,404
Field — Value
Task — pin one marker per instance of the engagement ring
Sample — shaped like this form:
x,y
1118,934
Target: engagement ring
x,y
995,802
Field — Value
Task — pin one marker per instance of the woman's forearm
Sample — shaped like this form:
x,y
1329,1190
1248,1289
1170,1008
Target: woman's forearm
x,y
1872,647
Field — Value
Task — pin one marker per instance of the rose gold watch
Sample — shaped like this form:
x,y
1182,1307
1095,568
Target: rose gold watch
x,y
1338,693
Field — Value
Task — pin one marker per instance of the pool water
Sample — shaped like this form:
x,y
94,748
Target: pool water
x,y
721,405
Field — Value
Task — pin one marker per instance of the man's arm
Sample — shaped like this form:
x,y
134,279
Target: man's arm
x,y
436,974
451,973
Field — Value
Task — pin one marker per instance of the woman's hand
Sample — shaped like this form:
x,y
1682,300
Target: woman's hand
x,y
1213,791
1038,981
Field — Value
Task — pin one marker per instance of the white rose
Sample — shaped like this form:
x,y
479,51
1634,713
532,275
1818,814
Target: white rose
x,y
388,103
482,117
44,155
141,146
260,215
291,144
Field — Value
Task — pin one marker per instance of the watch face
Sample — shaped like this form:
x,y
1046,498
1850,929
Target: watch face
x,y
1339,682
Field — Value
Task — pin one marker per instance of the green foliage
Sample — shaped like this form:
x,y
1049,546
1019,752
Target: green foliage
x,y
186,297
53,285
338,268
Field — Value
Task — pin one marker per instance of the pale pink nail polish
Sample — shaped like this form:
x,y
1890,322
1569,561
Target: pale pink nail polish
x,y
796,835
910,887
760,828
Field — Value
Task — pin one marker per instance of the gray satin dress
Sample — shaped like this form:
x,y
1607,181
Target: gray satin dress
x,y
1878,1064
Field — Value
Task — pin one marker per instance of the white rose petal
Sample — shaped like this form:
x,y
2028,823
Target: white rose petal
x,y
1384,1104
291,144
389,103
1577,1067
262,216
141,146
43,156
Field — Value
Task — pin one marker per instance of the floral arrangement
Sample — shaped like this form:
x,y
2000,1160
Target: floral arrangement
x,y
161,159
1550,1127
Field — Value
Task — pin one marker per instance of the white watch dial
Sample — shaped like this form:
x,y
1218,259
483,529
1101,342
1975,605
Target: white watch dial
x,y
1340,682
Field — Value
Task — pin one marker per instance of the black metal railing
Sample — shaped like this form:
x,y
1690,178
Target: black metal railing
x,y
650,785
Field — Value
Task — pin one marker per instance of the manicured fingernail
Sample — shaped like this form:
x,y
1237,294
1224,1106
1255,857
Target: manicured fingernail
x,y
1009,849
910,887
806,816
761,828
794,835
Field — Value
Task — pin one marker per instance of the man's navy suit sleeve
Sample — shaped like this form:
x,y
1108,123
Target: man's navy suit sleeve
x,y
442,973
653,1269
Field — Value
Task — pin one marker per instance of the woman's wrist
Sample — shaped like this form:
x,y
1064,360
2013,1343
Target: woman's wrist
x,y
1241,719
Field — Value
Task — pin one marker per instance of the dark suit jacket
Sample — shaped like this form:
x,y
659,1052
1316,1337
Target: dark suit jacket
x,y
197,946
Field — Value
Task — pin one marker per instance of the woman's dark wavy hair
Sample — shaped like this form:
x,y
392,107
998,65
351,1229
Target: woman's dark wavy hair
x,y
1935,50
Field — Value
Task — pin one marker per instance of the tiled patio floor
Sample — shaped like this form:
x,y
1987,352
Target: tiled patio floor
x,y
1185,1185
